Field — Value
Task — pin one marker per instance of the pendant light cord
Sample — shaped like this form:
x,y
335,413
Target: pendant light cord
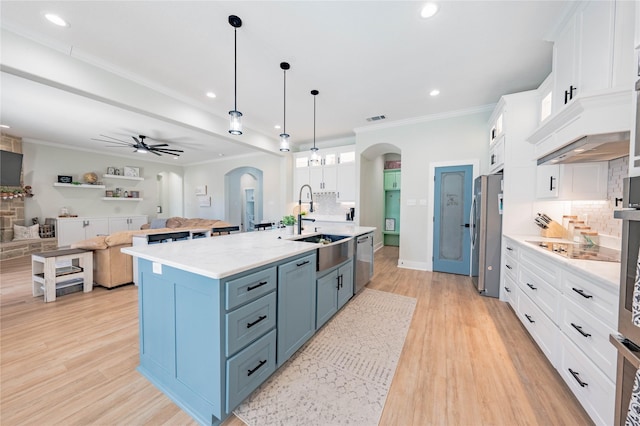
x,y
314,122
235,69
284,112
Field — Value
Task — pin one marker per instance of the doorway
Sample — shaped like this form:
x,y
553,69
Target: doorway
x,y
452,202
243,197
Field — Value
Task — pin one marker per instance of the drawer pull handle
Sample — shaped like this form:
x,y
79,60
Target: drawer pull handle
x,y
260,318
531,286
581,293
302,263
576,376
509,248
529,318
508,266
250,372
253,287
579,328
507,289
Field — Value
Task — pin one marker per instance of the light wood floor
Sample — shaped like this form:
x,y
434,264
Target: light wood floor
x,y
467,359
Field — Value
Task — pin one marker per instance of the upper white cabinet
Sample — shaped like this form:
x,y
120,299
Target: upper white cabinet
x,y
580,181
334,172
592,85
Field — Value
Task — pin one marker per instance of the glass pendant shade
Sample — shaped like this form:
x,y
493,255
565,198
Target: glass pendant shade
x,y
284,142
315,158
235,122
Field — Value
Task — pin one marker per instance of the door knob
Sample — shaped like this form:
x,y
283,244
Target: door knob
x,y
466,225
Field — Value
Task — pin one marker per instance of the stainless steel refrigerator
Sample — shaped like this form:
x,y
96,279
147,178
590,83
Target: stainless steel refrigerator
x,y
486,234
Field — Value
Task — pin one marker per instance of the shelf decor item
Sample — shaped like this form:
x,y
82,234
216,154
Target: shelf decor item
x,y
204,201
108,193
389,224
65,179
131,171
111,170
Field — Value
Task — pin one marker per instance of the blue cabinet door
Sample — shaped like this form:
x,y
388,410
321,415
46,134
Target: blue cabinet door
x,y
326,287
296,305
345,283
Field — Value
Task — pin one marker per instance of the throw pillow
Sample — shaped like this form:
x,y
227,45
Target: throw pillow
x,y
158,223
26,232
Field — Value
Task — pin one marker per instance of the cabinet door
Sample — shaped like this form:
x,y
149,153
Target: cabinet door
x,y
392,180
296,305
97,226
69,231
135,222
496,155
316,179
346,182
326,302
345,283
547,181
329,178
584,181
564,63
596,45
117,224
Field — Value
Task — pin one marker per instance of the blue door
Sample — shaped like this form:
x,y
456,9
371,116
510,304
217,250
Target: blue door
x,y
451,240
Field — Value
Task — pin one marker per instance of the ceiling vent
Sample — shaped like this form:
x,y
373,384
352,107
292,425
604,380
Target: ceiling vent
x,y
376,118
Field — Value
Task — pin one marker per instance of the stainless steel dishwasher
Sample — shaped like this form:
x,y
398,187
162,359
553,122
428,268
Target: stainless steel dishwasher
x,y
364,261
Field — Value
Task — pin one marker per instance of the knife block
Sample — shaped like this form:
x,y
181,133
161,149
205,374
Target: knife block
x,y
555,230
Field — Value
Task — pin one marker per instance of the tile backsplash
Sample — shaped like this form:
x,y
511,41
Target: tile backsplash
x,y
326,204
599,214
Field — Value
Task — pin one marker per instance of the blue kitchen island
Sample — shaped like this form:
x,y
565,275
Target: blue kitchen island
x,y
219,315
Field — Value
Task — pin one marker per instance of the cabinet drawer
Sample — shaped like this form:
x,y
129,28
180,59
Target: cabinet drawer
x,y
539,265
541,292
511,248
248,369
250,287
510,268
596,393
541,328
593,297
591,336
249,322
511,292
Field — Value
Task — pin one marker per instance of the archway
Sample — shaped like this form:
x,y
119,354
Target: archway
x,y
243,197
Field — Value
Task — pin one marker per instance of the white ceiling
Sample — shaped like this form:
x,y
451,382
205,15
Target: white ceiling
x,y
365,58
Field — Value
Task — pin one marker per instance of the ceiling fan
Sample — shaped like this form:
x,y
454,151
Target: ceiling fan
x,y
140,145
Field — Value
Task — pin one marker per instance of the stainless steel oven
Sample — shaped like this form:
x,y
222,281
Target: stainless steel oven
x,y
627,342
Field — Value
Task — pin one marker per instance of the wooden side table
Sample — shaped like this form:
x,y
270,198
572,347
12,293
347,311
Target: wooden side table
x,y
47,277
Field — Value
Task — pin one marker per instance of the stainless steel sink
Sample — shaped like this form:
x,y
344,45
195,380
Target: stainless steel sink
x,y
334,249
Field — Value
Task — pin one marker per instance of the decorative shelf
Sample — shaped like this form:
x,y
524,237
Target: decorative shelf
x,y
122,199
107,176
80,185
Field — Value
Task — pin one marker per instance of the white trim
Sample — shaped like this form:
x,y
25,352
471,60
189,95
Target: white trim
x,y
409,264
426,118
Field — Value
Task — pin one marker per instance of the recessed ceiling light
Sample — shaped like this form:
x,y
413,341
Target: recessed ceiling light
x,y
221,155
4,126
211,95
429,10
55,19
434,92
277,126
579,150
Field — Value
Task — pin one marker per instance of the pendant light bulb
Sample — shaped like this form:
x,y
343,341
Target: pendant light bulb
x,y
284,136
315,158
235,116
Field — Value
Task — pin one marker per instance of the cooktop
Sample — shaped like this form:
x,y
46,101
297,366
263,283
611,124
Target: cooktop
x,y
580,251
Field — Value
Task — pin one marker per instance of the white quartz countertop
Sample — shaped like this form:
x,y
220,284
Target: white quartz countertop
x,y
225,255
607,271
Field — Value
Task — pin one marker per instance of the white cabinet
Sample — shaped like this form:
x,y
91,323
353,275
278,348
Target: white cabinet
x,y
346,175
126,223
580,181
333,173
586,54
71,230
496,155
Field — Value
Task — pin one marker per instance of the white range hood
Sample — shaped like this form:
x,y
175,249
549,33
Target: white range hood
x,y
588,120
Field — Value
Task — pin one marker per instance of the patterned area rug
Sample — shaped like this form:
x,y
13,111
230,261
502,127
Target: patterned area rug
x,y
343,374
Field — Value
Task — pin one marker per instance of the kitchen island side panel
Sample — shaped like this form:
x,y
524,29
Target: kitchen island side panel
x,y
180,339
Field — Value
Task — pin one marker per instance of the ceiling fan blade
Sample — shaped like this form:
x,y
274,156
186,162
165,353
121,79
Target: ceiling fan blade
x,y
153,152
157,145
112,142
115,139
167,150
137,140
119,146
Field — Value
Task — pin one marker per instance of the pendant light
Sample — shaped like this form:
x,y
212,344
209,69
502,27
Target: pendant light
x,y
315,158
235,116
284,137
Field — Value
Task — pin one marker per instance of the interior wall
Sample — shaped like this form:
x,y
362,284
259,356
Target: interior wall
x,y
212,174
42,163
371,205
435,140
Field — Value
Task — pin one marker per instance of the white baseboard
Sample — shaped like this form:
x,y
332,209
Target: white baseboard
x,y
408,264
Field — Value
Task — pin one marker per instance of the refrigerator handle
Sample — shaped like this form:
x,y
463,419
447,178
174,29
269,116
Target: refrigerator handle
x,y
472,225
